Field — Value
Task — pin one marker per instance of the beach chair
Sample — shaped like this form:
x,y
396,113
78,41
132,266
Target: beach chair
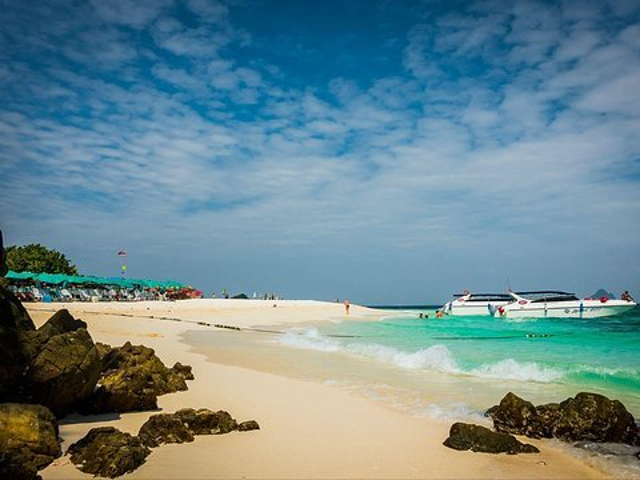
x,y
65,295
37,295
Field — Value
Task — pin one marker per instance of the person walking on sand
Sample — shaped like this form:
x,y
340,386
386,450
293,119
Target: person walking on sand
x,y
347,305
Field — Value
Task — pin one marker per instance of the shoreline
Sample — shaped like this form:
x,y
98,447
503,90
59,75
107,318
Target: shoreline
x,y
308,429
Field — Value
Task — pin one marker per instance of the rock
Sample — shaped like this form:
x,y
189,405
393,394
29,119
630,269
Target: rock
x,y
64,372
15,323
207,422
164,428
183,370
132,378
28,440
182,425
56,365
248,425
12,314
464,436
588,416
103,350
513,415
108,452
594,417
61,322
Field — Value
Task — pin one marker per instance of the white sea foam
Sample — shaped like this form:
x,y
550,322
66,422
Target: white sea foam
x,y
309,339
456,411
510,369
437,358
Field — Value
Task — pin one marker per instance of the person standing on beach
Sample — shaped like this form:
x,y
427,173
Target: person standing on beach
x,y
347,305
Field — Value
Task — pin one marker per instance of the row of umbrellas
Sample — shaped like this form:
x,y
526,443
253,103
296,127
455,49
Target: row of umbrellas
x,y
87,280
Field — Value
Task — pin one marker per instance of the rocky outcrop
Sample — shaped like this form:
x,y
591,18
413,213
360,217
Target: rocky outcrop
x,y
183,425
64,372
56,366
15,322
587,416
465,436
28,440
132,379
108,452
61,322
594,417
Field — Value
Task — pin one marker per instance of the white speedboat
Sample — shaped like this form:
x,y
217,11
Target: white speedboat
x,y
557,304
473,304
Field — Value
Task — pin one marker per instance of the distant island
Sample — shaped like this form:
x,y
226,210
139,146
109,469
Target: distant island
x,y
603,293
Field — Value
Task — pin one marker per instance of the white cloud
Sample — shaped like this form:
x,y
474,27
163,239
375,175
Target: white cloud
x,y
193,148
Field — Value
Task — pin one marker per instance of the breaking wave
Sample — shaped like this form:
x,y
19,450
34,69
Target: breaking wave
x,y
437,358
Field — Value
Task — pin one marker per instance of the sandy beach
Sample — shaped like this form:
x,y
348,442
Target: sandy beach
x,y
308,429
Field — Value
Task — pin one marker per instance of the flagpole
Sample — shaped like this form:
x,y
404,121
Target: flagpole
x,y
123,269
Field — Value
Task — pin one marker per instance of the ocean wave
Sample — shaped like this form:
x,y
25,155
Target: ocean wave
x,y
309,339
511,369
437,358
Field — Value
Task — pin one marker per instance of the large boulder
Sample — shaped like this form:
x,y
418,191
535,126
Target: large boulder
x,y
64,372
588,416
56,366
28,440
132,379
108,452
596,418
513,415
15,323
465,436
61,322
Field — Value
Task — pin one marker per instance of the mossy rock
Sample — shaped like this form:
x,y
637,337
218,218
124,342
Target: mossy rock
x,y
108,452
28,439
465,436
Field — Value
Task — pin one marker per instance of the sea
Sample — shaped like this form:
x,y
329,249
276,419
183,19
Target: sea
x,y
455,368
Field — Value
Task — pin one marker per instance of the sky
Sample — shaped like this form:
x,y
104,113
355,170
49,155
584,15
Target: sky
x,y
385,151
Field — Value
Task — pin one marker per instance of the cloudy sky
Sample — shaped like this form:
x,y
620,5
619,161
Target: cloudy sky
x,y
386,151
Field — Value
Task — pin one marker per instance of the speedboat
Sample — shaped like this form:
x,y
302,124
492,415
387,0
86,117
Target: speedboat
x,y
473,304
551,303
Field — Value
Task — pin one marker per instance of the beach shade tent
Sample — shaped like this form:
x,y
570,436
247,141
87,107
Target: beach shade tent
x,y
89,280
20,276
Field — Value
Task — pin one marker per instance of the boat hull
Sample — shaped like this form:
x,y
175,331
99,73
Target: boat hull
x,y
456,308
572,309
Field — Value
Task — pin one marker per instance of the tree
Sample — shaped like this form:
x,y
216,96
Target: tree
x,y
38,259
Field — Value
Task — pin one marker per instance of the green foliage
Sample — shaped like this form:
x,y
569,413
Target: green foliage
x,y
38,259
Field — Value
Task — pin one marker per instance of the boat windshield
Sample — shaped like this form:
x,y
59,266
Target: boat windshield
x,y
548,296
487,297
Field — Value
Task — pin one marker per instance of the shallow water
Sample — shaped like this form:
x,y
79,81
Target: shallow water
x,y
545,359
453,369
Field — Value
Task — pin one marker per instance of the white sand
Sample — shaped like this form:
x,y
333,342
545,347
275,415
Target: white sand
x,y
308,430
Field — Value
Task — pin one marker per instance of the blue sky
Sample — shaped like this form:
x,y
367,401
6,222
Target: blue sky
x,y
377,150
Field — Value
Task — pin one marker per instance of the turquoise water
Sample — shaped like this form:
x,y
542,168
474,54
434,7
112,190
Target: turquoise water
x,y
454,369
471,362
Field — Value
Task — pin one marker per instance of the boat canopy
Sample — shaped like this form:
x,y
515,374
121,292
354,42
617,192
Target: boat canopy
x,y
486,297
541,296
